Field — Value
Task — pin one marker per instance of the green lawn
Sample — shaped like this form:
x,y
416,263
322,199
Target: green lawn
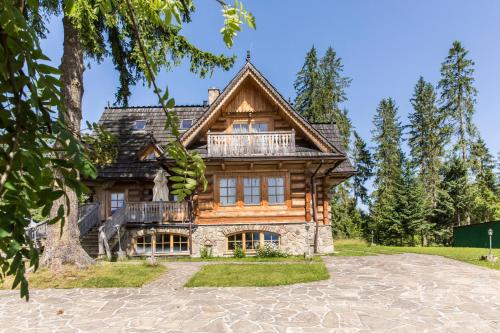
x,y
255,275
101,275
232,259
353,247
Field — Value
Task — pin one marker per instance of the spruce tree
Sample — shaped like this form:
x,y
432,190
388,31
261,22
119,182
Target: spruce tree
x,y
458,97
332,93
388,157
363,164
486,195
412,207
458,193
426,138
306,87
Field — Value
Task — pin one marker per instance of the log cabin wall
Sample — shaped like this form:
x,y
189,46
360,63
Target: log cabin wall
x,y
297,206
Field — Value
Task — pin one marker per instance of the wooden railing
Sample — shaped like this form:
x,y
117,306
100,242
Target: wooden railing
x,y
109,229
37,232
245,144
89,216
157,211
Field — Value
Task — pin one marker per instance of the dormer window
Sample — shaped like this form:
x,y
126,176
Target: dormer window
x,y
186,124
139,125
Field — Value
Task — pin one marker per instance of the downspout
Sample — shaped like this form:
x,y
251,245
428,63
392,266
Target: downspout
x,y
190,217
315,208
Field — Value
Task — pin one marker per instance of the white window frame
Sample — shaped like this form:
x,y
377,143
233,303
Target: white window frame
x,y
140,129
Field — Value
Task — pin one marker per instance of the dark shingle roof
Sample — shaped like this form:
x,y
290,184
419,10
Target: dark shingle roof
x,y
120,121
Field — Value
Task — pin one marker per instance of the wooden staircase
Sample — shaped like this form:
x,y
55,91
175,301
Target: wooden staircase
x,y
90,242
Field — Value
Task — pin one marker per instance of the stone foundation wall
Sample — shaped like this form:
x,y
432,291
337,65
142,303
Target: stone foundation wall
x,y
293,237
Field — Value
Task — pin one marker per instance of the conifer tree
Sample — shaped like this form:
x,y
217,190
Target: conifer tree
x,y
363,164
412,207
306,87
388,157
486,195
332,93
458,193
427,137
458,97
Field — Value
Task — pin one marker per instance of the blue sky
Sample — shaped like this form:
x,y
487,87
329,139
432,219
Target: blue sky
x,y
385,46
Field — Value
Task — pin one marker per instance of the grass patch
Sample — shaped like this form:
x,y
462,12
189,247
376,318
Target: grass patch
x,y
101,275
352,247
254,275
232,259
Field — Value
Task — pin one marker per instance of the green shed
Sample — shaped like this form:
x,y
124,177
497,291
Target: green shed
x,y
476,235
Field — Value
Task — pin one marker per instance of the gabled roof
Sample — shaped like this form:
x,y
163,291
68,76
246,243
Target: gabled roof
x,y
246,72
325,138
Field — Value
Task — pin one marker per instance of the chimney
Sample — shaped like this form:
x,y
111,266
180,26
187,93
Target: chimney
x,y
213,93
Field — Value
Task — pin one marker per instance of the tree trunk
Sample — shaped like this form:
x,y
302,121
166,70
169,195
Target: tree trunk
x,y
65,248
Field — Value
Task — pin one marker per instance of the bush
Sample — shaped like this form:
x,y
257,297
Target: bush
x,y
206,252
238,252
270,251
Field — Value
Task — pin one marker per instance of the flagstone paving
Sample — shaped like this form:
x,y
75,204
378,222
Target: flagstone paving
x,y
397,293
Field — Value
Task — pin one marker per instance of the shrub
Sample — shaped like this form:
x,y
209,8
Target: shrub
x,y
270,251
238,252
206,252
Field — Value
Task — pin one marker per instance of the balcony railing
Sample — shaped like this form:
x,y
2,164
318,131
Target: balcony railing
x,y
248,144
157,211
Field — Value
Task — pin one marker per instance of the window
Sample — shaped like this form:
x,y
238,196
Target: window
x,y
162,243
227,191
234,240
180,243
117,201
275,190
251,191
150,157
186,123
140,125
272,239
260,127
240,128
252,240
143,244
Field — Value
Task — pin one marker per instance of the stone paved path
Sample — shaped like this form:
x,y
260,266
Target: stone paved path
x,y
398,293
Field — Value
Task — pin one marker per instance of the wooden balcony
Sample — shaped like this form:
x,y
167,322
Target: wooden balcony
x,y
156,212
251,144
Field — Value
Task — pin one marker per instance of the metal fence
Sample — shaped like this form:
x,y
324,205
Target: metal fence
x,y
476,235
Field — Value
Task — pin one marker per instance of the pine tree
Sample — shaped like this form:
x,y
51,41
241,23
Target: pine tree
x,y
363,164
458,96
427,137
332,93
388,157
343,211
486,195
457,194
412,207
306,87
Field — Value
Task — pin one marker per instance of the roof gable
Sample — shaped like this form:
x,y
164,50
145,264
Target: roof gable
x,y
249,74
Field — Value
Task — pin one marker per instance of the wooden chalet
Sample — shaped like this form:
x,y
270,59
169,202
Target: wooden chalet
x,y
269,171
